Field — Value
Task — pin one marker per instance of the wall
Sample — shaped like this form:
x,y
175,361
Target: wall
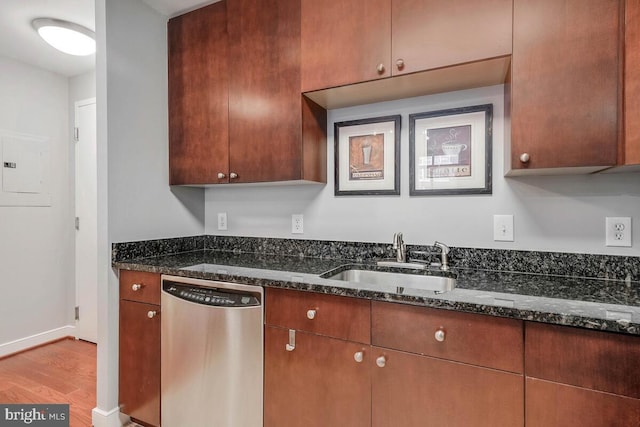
x,y
134,199
563,213
36,243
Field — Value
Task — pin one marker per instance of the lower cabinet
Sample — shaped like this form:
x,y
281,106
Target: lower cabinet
x,y
312,379
318,383
581,378
139,347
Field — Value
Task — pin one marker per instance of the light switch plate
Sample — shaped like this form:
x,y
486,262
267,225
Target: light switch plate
x,y
503,228
222,221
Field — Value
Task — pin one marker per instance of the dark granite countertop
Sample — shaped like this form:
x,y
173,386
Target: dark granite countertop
x,y
593,303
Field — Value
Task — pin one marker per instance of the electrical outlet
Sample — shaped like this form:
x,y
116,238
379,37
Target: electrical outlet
x,y
297,224
222,221
503,228
618,231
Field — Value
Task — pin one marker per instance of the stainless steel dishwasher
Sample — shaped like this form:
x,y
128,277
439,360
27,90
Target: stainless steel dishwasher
x,y
212,353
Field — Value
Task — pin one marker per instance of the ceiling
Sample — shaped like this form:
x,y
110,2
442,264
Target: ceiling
x,y
19,41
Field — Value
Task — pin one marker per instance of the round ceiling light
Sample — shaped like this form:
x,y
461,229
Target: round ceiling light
x,y
66,36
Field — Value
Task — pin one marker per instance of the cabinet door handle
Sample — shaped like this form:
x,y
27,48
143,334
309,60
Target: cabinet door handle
x,y
358,356
524,157
221,175
136,287
440,335
151,314
291,345
311,314
400,64
380,68
381,361
233,175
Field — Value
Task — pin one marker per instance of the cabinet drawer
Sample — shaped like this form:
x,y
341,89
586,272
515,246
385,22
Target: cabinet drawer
x,y
334,316
148,290
469,338
591,359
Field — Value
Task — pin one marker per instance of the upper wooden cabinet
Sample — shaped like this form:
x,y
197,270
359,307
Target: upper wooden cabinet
x,y
235,107
631,152
198,96
393,37
565,86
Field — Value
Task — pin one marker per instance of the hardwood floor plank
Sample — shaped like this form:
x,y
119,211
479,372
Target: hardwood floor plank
x,y
60,372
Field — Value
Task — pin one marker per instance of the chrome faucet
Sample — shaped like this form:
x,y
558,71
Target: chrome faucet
x,y
399,247
444,253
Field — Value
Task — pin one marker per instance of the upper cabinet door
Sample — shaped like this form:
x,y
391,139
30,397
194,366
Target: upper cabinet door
x,y
198,96
265,123
344,42
632,83
565,84
430,34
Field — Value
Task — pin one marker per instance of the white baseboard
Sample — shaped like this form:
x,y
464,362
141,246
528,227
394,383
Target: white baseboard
x,y
35,340
112,418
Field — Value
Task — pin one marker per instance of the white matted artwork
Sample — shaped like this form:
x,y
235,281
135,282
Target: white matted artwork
x,y
25,162
450,151
367,156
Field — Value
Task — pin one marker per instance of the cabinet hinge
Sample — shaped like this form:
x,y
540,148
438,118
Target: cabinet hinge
x,y
77,312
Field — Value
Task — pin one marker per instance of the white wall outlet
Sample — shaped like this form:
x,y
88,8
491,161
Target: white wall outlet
x,y
222,220
618,231
503,228
297,224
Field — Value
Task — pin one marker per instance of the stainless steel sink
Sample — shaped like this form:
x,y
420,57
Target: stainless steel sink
x,y
395,279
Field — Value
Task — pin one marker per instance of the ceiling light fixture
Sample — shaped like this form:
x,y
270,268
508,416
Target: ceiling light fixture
x,y
66,36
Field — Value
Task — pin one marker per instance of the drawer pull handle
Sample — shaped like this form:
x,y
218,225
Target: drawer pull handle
x,y
136,287
292,341
381,361
311,314
440,335
358,356
151,314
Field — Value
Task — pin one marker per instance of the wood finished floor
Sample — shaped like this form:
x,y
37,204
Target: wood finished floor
x,y
60,372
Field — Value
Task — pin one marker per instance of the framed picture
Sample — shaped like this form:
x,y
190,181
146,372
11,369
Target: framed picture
x,y
450,151
367,156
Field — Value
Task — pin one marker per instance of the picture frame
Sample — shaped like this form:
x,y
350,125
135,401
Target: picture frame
x,y
367,156
450,151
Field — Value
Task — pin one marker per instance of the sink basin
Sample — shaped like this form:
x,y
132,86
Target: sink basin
x,y
395,279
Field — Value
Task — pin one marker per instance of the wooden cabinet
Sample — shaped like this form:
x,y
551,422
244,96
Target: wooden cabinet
x,y
395,37
332,375
565,85
236,111
578,377
198,96
139,346
631,152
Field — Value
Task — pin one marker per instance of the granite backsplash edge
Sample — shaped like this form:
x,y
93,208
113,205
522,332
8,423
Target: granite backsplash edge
x,y
610,267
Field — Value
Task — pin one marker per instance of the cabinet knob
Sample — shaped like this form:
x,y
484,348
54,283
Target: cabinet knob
x,y
311,314
400,64
221,175
151,314
381,361
524,157
136,287
440,335
233,175
358,356
380,68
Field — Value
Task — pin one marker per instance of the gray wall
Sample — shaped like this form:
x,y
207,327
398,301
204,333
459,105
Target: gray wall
x,y
36,243
561,213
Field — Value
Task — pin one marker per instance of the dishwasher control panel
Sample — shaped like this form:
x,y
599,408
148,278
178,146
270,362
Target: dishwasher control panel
x,y
210,296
